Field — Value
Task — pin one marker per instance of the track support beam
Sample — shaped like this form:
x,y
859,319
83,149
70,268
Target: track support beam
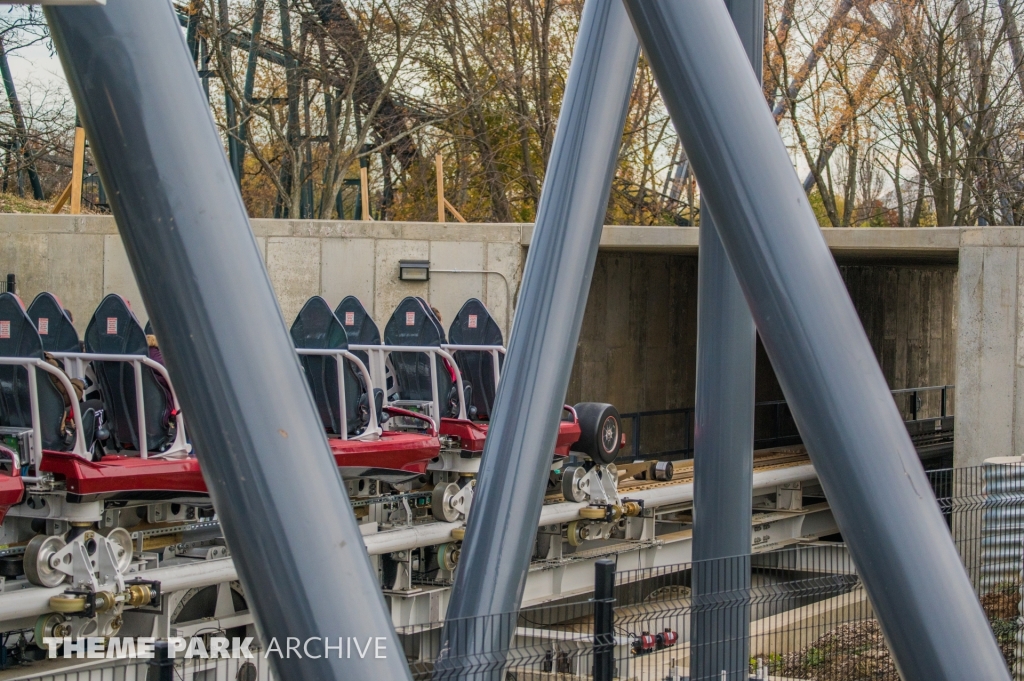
x,y
724,429
265,457
812,334
513,475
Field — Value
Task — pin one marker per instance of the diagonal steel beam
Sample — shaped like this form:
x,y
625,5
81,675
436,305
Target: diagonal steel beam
x,y
517,457
856,438
265,457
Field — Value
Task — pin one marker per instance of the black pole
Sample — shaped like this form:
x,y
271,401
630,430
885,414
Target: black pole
x,y
290,171
230,114
604,620
19,124
872,476
162,664
250,80
12,285
264,453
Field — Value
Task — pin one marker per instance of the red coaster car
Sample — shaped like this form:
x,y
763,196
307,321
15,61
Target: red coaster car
x,y
352,410
76,455
455,384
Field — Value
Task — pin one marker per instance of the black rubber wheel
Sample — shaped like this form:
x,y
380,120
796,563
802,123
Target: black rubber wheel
x,y
11,567
601,431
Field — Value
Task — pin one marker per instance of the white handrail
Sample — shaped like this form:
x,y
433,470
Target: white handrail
x,y
373,427
474,348
381,352
33,393
180,444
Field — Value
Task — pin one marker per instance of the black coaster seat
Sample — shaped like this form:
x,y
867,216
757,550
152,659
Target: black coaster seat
x,y
54,325
317,328
114,329
473,325
413,323
19,338
359,325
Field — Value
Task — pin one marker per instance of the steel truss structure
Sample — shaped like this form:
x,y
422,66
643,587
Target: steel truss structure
x,y
266,458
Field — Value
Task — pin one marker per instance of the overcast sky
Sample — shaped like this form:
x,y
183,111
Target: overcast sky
x,y
33,65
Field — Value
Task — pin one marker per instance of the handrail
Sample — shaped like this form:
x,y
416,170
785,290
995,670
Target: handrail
x,y
637,416
33,396
180,444
380,352
914,403
373,427
398,411
921,389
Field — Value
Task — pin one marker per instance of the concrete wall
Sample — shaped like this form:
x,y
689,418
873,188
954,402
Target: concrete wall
x,y
637,347
990,359
909,313
82,259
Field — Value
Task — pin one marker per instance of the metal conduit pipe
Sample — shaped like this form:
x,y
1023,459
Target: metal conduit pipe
x,y
265,457
556,281
839,398
32,602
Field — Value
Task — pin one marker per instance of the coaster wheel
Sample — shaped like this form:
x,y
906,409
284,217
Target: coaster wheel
x,y
600,431
572,477
441,502
38,553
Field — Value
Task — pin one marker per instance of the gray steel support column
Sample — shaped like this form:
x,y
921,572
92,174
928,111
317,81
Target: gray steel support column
x,y
250,415
517,457
810,329
723,433
723,464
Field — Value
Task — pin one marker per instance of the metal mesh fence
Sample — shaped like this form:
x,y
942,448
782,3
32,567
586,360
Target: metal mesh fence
x,y
257,669
800,613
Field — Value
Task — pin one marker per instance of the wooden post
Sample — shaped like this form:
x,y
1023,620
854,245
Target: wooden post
x,y
364,191
76,171
450,207
62,199
439,169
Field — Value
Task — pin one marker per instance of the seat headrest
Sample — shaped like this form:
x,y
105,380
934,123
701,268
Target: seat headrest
x,y
473,325
359,326
56,330
18,335
316,327
114,329
413,323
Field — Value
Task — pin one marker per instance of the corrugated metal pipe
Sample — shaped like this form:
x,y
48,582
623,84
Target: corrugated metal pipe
x,y
1002,523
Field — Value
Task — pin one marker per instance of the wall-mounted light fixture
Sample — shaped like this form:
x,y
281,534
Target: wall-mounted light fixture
x,y
414,270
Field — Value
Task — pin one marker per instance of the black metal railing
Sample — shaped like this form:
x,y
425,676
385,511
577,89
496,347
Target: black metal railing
x,y
669,432
9,284
678,430
915,402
